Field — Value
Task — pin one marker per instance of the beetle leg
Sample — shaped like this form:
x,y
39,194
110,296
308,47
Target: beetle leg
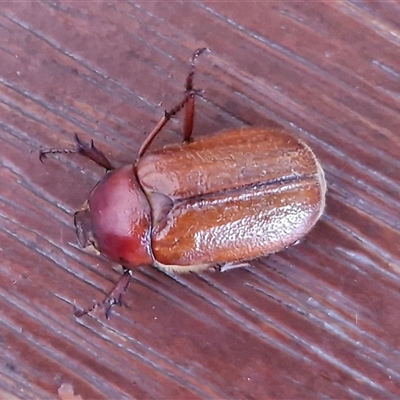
x,y
231,265
113,298
187,102
88,150
190,96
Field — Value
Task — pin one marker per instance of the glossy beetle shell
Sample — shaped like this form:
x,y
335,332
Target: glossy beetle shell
x,y
222,199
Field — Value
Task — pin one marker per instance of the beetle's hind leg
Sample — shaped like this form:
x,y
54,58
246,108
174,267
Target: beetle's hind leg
x,y
88,150
188,102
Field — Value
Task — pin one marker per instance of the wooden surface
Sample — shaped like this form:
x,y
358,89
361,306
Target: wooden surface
x,y
319,320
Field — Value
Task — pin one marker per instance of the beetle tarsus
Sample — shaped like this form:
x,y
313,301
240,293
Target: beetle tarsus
x,y
79,313
113,298
189,79
43,153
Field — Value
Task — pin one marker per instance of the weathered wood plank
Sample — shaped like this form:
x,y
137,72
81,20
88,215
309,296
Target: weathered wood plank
x,y
318,320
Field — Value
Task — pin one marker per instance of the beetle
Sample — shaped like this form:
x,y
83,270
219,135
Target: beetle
x,y
216,202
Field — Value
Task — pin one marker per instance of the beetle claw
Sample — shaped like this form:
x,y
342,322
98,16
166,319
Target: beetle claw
x,y
198,52
106,305
79,313
42,154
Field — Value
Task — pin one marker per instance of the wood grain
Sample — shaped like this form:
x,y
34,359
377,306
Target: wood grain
x,y
319,320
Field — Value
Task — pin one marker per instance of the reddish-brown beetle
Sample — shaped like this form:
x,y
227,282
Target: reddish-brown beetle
x,y
218,201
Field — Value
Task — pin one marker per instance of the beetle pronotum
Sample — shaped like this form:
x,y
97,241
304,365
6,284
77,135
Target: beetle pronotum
x,y
218,201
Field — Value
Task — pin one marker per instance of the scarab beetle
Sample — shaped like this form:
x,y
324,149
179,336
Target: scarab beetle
x,y
218,201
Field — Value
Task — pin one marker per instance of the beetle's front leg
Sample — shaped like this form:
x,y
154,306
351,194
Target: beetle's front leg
x,y
113,298
88,150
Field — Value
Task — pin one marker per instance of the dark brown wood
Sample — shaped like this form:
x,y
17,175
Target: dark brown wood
x,y
319,320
